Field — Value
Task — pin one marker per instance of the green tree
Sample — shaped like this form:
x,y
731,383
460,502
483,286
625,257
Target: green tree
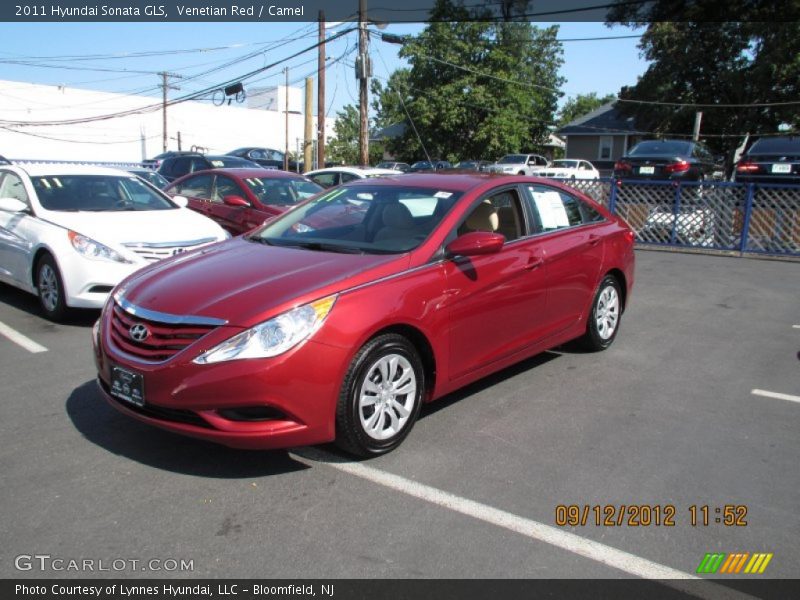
x,y
343,146
755,63
580,105
473,89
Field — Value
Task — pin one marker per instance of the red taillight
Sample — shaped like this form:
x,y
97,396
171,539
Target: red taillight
x,y
747,167
677,167
622,165
630,236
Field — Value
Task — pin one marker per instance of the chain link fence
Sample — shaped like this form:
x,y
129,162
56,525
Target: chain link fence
x,y
748,218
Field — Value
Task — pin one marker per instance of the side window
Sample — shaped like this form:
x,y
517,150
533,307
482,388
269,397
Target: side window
x,y
199,164
225,186
196,187
555,209
180,166
12,187
326,180
345,177
499,213
257,154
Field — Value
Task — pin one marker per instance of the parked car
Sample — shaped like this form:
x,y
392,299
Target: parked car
x,y
473,165
69,233
519,164
570,168
150,176
674,160
266,157
240,199
771,160
394,166
174,167
299,334
337,175
425,165
155,162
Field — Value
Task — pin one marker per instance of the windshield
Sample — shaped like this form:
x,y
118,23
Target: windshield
x,y
513,159
361,219
565,164
423,164
283,191
661,147
96,193
776,146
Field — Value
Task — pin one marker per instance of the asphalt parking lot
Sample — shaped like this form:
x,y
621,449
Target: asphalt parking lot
x,y
667,416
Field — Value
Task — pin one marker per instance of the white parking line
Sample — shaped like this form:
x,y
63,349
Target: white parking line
x,y
796,326
21,340
777,395
618,559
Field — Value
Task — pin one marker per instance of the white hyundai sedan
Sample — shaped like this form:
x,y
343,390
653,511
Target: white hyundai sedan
x,y
70,233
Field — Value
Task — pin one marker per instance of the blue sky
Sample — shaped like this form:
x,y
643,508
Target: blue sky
x,y
57,54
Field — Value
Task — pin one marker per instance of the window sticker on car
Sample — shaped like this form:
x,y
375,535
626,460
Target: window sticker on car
x,y
551,210
217,163
443,195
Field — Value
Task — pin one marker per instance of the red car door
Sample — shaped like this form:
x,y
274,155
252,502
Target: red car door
x,y
496,301
197,190
235,219
571,238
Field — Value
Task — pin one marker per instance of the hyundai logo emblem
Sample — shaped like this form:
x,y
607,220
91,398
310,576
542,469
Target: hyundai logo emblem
x,y
139,332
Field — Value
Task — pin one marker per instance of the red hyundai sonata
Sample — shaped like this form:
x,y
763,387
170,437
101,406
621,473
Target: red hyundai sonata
x,y
338,319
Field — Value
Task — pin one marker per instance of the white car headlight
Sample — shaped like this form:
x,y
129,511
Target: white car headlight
x,y
94,249
272,337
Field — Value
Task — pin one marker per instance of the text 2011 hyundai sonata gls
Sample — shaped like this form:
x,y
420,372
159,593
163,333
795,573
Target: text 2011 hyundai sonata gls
x,y
338,319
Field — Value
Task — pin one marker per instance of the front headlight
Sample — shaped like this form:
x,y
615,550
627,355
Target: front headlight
x,y
272,337
90,248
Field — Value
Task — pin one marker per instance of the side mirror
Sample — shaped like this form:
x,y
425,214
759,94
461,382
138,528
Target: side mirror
x,y
181,201
235,201
13,205
475,244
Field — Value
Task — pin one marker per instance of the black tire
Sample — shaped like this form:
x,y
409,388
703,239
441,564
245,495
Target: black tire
x,y
597,338
354,435
50,287
521,173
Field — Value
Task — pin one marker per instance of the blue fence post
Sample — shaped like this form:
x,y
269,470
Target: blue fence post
x,y
612,197
748,208
676,211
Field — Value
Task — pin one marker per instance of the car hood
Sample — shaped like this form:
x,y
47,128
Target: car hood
x,y
148,226
244,282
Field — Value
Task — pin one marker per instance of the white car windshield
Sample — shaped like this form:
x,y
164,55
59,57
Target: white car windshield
x,y
97,193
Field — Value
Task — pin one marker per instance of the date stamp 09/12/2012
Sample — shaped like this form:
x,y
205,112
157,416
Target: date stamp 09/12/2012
x,y
646,515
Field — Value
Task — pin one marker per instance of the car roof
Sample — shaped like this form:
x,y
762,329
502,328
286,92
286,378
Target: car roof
x,y
44,169
246,172
460,181
353,170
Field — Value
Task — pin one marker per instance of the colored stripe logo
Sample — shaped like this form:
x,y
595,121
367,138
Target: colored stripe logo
x,y
737,562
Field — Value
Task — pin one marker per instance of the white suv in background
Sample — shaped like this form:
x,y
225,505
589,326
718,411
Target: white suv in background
x,y
519,164
70,233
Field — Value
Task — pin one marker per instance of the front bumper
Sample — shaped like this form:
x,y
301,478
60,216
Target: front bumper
x,y
300,388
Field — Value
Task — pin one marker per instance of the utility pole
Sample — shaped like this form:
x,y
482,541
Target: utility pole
x,y
164,87
286,108
321,94
364,70
698,117
308,125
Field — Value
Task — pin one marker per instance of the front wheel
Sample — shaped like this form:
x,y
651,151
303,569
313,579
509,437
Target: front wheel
x,y
605,315
51,289
380,397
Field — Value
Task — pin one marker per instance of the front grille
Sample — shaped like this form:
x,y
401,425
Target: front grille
x,y
174,415
164,340
155,252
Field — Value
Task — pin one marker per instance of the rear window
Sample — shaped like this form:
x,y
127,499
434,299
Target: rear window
x,y
658,147
776,146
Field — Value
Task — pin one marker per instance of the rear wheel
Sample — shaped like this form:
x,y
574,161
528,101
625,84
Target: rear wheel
x,y
51,289
604,318
380,397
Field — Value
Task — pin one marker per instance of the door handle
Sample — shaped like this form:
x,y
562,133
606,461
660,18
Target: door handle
x,y
534,263
593,239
